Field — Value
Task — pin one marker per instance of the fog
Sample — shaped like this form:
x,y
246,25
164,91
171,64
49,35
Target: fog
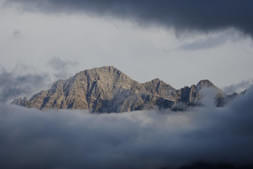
x,y
68,139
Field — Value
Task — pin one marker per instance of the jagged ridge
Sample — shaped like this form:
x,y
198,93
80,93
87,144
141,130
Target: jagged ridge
x,y
107,89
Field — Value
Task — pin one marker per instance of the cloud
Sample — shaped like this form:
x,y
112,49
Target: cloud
x,y
61,67
238,87
212,40
69,139
197,15
17,34
13,84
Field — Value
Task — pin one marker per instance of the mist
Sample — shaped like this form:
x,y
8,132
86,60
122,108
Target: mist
x,y
69,139
14,84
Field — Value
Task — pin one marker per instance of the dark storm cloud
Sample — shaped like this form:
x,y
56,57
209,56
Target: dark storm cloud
x,y
13,84
196,15
147,139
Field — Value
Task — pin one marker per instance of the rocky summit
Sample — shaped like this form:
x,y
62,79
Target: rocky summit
x,y
107,89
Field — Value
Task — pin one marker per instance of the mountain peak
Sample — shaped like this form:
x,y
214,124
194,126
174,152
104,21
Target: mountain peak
x,y
110,72
104,69
107,89
205,83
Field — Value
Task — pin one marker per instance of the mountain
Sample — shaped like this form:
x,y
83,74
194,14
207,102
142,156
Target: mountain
x,y
107,89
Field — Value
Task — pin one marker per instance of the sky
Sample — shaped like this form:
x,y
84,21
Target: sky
x,y
144,39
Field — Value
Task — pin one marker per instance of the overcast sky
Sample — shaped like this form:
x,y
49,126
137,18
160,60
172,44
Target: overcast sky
x,y
177,49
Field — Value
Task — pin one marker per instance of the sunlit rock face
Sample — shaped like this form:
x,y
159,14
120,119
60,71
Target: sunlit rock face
x,y
107,89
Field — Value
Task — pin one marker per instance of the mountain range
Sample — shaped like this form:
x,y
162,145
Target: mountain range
x,y
107,89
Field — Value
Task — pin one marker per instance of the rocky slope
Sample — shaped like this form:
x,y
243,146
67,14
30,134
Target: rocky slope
x,y
106,89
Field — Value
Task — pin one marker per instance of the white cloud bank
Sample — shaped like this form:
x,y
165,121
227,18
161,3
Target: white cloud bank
x,y
67,139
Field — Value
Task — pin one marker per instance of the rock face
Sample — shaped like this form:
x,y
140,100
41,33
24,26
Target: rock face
x,y
106,89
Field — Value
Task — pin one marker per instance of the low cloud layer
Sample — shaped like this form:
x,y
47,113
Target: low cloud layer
x,y
68,139
197,15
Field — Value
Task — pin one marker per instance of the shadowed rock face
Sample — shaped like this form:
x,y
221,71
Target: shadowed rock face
x,y
106,89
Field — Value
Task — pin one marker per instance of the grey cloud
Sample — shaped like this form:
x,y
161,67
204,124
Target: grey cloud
x,y
238,87
13,84
184,15
203,44
147,139
61,67
213,40
16,33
